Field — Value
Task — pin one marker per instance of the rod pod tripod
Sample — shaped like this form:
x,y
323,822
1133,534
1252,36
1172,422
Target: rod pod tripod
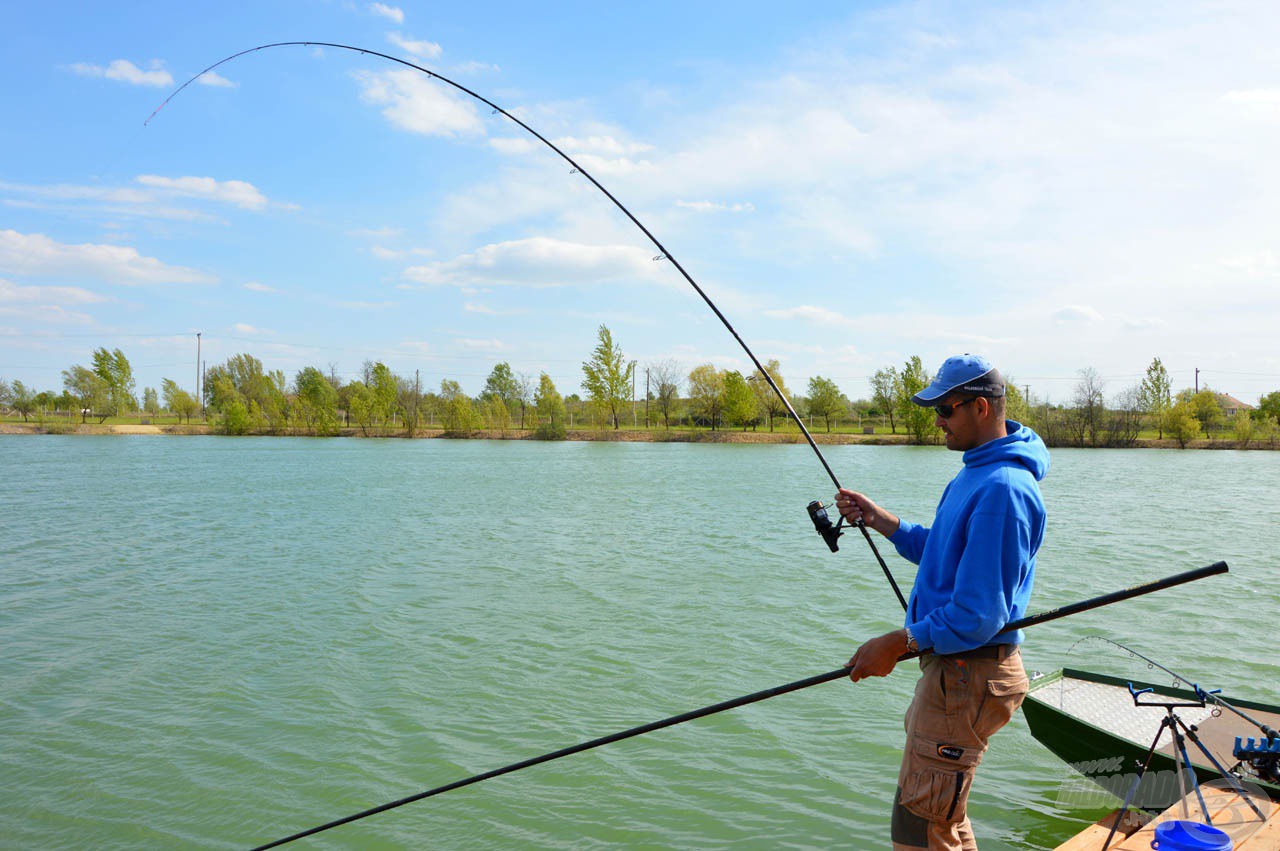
x,y
1181,761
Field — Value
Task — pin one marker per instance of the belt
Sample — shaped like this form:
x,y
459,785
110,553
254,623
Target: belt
x,y
991,651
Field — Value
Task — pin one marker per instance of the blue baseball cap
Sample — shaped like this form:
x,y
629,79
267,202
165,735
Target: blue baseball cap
x,y
971,374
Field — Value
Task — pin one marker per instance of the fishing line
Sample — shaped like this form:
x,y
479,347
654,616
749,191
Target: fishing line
x,y
1179,679
755,697
578,169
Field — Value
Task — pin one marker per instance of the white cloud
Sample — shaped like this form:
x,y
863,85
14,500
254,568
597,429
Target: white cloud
x,y
1077,313
254,286
124,71
45,305
238,192
152,200
602,144
485,310
366,305
512,145
383,253
43,313
11,293
476,67
415,103
416,47
37,254
393,13
481,345
811,313
538,262
375,233
716,207
419,347
213,78
245,328
1260,264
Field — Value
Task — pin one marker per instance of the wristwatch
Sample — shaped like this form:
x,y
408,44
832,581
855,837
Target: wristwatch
x,y
911,641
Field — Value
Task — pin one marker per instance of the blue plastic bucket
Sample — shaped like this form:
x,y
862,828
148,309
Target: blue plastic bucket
x,y
1190,836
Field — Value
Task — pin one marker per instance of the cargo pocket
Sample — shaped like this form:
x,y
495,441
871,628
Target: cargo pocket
x,y
937,779
1000,700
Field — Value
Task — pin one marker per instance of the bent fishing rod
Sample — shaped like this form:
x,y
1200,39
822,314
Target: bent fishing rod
x,y
817,512
1032,620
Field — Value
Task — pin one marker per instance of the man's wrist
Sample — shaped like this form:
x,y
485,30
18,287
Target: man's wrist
x,y
912,646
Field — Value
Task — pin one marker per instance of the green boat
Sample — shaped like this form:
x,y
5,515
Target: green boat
x,y
1090,722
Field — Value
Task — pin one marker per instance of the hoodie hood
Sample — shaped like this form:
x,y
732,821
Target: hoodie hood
x,y
1021,446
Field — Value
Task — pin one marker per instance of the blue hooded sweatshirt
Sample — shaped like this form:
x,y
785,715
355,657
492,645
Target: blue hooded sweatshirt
x,y
978,560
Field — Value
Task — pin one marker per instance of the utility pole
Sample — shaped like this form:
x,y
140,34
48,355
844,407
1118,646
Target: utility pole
x,y
198,396
634,422
1197,379
646,397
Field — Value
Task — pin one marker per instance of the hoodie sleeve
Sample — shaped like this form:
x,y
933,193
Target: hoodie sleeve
x,y
909,540
989,576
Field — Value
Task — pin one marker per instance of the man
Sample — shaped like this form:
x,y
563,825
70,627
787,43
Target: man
x,y
977,563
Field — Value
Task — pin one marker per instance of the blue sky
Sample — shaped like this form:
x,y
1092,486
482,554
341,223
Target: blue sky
x,y
1057,186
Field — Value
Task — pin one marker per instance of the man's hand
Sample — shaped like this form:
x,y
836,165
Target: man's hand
x,y
854,506
877,657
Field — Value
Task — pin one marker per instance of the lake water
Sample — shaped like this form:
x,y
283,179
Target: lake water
x,y
216,642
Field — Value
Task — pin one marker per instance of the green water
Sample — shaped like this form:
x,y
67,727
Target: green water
x,y
215,642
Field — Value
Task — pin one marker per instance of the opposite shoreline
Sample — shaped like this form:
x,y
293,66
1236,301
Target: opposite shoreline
x,y
577,435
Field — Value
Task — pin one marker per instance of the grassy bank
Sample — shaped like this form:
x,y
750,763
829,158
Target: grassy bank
x,y
128,426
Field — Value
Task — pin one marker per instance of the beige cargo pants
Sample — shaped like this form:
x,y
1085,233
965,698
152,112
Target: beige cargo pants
x,y
960,702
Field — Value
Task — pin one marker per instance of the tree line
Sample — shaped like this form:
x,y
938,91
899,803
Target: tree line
x,y
241,396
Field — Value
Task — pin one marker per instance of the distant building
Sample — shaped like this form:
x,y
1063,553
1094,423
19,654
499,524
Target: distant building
x,y
1231,405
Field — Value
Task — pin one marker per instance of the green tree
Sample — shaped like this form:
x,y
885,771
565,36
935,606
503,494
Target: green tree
x,y
360,405
1016,406
498,414
89,390
177,400
739,402
44,401
22,399
767,400
884,392
1181,423
458,414
117,375
549,410
6,393
317,400
502,384
548,403
1155,394
385,393
1269,407
1244,429
607,376
1205,407
706,393
919,421
150,401
825,399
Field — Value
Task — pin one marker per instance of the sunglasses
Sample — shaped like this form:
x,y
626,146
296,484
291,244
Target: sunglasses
x,y
945,411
